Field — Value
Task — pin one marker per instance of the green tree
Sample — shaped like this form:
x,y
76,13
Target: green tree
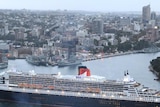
x,y
126,46
105,49
155,65
140,45
96,42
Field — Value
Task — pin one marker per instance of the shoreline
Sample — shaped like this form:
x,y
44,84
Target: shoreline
x,y
101,56
155,72
108,55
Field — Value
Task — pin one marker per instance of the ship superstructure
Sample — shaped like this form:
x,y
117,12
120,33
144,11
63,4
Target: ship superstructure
x,y
71,59
37,60
69,90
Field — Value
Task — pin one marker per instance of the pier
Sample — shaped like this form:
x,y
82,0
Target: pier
x,y
101,56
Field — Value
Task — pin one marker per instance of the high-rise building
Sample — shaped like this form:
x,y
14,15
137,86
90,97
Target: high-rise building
x,y
146,14
153,16
97,26
6,28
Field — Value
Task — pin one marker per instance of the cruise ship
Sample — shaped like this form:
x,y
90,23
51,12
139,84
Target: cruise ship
x,y
81,90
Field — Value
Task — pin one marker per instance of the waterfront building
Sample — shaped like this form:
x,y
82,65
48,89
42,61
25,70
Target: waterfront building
x,y
113,41
152,35
124,39
86,41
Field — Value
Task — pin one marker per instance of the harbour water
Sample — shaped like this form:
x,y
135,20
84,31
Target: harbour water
x,y
111,68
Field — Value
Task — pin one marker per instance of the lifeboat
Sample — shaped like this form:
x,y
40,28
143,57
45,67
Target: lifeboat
x,y
39,86
50,87
32,85
29,85
93,90
25,85
20,85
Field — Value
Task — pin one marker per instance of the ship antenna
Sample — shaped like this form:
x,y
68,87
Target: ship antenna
x,y
127,72
124,73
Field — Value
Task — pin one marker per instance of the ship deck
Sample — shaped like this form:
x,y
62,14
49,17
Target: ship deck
x,y
101,95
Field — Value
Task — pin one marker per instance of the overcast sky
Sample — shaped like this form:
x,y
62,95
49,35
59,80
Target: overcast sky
x,y
88,5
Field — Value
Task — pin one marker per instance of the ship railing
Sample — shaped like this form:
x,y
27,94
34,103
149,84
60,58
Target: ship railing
x,y
133,97
106,95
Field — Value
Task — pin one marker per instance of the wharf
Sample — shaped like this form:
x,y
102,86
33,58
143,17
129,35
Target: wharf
x,y
89,58
94,57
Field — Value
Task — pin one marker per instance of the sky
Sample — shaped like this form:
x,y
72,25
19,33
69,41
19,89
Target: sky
x,y
87,5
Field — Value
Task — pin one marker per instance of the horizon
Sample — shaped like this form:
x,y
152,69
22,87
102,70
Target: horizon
x,y
89,5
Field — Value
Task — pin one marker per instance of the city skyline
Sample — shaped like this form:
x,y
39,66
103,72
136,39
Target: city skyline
x,y
86,5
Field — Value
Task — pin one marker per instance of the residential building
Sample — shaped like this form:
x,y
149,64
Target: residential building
x,y
97,26
125,21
